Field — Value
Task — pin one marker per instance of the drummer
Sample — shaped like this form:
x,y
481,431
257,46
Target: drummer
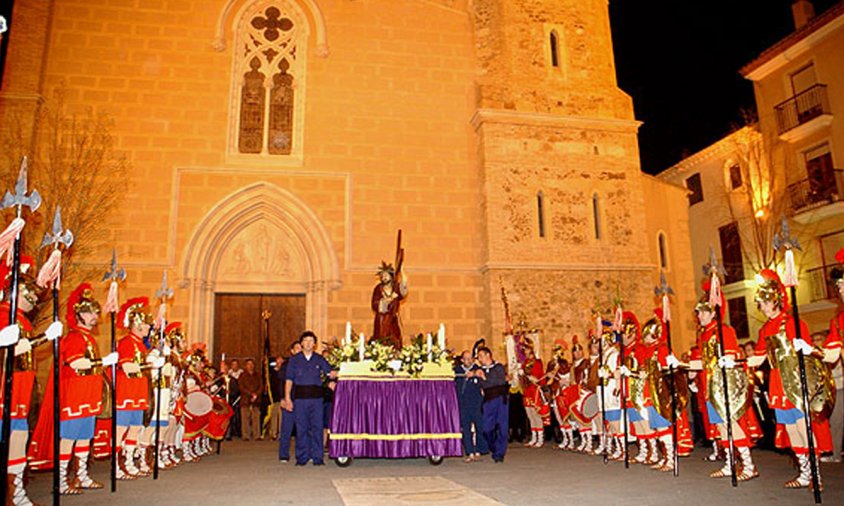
x,y
305,373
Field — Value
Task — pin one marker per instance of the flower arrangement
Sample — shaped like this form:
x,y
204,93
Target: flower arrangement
x,y
339,353
381,355
415,355
411,359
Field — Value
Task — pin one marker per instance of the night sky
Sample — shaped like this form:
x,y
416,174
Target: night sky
x,y
679,60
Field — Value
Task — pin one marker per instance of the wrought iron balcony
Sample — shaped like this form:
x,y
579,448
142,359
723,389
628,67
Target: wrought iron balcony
x,y
813,193
802,108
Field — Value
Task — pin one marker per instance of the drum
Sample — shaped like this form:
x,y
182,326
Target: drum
x,y
199,403
218,419
198,407
586,407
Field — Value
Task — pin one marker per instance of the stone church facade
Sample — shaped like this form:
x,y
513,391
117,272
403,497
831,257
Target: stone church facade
x,y
278,145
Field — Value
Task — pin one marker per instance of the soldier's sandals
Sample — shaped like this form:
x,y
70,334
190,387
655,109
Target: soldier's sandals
x,y
719,474
796,483
747,476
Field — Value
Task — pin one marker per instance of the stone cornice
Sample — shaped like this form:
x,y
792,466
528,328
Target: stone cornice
x,y
566,267
23,97
795,44
724,146
541,119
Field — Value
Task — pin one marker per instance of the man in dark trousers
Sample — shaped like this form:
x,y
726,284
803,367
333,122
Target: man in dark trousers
x,y
469,399
304,385
251,386
495,389
287,416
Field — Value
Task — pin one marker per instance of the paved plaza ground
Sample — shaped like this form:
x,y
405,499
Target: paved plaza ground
x,y
250,473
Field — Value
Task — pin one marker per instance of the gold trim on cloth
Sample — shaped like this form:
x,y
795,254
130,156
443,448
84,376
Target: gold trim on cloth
x,y
396,437
363,370
389,377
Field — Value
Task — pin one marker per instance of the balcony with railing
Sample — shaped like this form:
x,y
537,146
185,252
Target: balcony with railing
x,y
814,199
821,286
803,114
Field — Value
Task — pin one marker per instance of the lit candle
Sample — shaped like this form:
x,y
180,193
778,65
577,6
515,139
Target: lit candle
x,y
347,340
360,347
429,346
441,337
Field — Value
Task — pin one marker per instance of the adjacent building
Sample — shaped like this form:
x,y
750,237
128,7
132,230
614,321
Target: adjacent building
x,y
786,164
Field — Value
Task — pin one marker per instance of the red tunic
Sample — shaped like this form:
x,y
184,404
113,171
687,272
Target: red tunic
x,y
532,397
836,332
132,393
22,381
748,421
639,353
776,392
82,394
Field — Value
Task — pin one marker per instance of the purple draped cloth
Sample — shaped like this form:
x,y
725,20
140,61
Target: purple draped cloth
x,y
400,418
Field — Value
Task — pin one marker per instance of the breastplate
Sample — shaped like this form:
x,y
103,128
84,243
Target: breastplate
x,y
25,361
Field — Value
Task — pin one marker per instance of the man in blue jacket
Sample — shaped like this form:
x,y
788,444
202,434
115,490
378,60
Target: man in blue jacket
x,y
287,416
304,384
469,399
495,388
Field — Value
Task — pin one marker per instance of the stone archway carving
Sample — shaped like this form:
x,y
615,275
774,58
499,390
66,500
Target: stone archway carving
x,y
309,6
308,265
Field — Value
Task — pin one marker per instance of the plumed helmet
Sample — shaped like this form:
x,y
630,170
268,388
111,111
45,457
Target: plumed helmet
x,y
81,300
654,327
26,279
196,356
703,304
770,288
607,333
133,312
575,344
630,325
174,333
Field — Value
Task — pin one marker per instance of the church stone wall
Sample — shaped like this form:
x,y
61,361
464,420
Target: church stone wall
x,y
402,130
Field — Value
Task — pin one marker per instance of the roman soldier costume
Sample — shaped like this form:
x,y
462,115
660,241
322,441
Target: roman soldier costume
x,y
745,425
82,399
778,343
132,384
638,401
24,372
663,397
536,404
610,376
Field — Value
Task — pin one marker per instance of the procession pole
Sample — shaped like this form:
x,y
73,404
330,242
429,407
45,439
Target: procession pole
x,y
664,290
163,294
17,200
715,303
114,275
788,243
50,275
600,330
623,387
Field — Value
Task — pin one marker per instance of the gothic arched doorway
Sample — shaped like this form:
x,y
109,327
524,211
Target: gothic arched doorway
x,y
260,240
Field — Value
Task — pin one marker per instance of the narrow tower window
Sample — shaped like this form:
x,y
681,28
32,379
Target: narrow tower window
x,y
596,215
663,251
555,55
540,211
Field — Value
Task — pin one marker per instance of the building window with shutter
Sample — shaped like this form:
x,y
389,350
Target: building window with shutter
x,y
695,188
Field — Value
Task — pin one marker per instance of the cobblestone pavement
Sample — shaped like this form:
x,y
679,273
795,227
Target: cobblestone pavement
x,y
250,473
